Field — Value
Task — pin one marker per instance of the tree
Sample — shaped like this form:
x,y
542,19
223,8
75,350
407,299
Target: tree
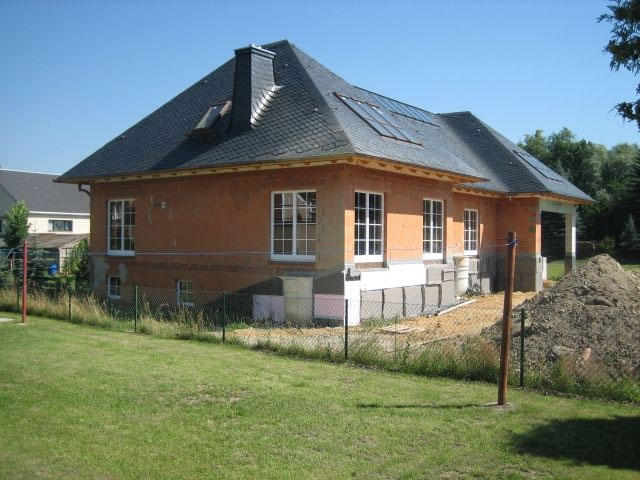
x,y
624,47
629,240
16,224
77,262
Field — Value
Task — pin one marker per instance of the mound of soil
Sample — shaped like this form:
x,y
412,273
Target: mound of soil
x,y
591,316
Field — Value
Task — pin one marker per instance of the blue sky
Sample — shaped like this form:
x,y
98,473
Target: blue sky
x,y
76,74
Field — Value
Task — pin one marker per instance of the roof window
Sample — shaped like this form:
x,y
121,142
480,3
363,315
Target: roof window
x,y
214,113
380,120
539,166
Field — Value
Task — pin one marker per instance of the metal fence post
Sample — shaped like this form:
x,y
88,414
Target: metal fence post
x,y
224,315
135,318
522,319
69,295
346,329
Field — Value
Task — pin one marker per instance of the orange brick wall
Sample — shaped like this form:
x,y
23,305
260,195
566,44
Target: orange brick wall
x,y
523,217
221,224
403,197
216,214
486,223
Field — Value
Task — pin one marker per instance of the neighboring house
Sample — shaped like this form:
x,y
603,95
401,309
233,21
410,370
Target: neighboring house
x,y
58,213
272,175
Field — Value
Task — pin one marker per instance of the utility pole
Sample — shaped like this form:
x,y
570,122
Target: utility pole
x,y
506,318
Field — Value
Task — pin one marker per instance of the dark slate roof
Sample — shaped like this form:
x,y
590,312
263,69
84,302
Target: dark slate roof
x,y
42,194
303,119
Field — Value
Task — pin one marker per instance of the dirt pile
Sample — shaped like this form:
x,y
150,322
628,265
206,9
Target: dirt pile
x,y
589,317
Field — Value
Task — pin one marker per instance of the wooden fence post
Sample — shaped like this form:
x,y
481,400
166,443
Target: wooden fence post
x,y
506,318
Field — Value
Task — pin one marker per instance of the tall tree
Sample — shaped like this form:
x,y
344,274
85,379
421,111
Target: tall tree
x,y
16,225
624,47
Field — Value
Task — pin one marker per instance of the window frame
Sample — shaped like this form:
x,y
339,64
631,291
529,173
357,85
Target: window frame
x,y
114,296
292,257
431,255
369,257
52,221
118,253
477,232
179,290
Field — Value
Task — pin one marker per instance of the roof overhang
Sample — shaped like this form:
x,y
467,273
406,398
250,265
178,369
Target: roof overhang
x,y
508,195
359,160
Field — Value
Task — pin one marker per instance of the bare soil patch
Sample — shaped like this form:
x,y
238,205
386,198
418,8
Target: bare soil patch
x,y
591,317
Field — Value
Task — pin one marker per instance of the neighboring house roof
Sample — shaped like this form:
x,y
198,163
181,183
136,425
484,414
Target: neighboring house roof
x,y
302,116
41,193
54,240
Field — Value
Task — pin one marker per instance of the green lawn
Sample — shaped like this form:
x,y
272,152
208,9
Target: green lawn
x,y
82,402
555,268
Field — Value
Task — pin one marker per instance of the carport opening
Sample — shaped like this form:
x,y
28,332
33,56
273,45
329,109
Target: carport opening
x,y
553,243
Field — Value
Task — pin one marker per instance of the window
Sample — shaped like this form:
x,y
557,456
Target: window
x,y
293,226
380,120
113,287
432,228
470,232
122,220
60,225
184,291
368,226
539,166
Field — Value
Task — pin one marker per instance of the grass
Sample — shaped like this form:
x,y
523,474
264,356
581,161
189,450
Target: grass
x,y
555,268
85,403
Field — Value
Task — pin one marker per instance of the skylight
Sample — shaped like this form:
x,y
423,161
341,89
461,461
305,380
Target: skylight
x,y
403,109
380,120
214,113
540,167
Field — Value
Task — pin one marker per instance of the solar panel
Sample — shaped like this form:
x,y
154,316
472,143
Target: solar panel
x,y
402,108
380,120
539,166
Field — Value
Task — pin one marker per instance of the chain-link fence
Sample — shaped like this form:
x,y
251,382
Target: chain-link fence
x,y
402,336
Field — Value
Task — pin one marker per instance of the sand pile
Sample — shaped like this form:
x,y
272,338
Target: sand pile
x,y
591,316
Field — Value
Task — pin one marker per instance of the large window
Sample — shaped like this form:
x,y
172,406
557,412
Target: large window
x,y
184,292
368,226
113,287
293,230
122,221
432,228
60,225
470,232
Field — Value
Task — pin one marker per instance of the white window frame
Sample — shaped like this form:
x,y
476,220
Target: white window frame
x,y
292,257
113,295
118,253
179,302
368,257
431,255
464,232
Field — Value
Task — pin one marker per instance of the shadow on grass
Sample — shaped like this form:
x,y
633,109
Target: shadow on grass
x,y
452,406
614,442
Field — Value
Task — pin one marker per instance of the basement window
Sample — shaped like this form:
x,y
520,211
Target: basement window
x,y
293,226
470,232
184,293
113,287
432,229
380,120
